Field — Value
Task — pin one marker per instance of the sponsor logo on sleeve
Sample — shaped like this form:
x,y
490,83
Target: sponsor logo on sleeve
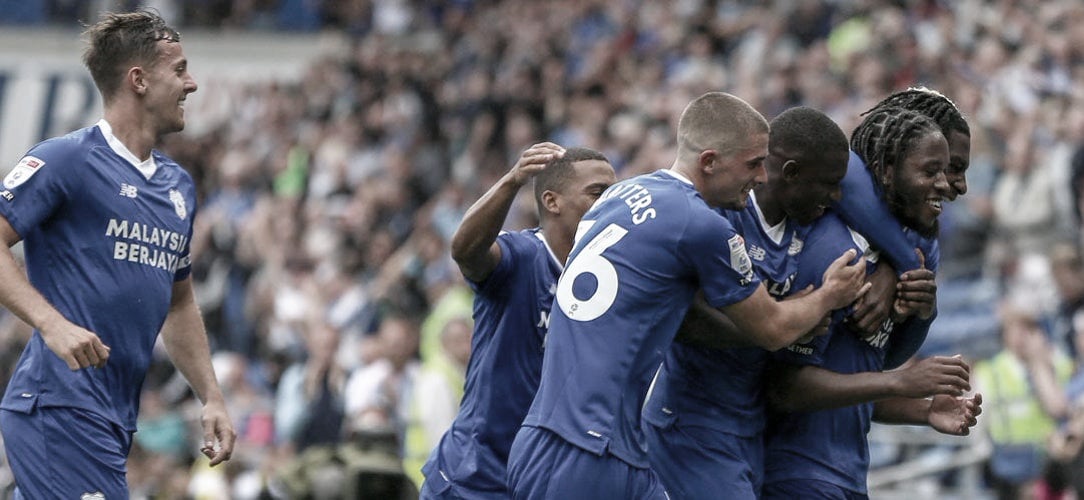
x,y
23,170
739,258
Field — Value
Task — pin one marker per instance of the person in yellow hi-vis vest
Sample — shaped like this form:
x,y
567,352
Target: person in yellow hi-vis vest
x,y
437,392
1015,384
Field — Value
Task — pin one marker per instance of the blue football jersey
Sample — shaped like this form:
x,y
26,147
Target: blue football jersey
x,y
511,314
104,245
721,388
641,253
829,445
862,208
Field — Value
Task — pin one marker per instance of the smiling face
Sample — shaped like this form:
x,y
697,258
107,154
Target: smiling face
x,y
918,185
167,83
731,178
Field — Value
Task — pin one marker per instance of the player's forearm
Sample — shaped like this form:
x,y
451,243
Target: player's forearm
x,y
811,388
482,223
185,339
902,411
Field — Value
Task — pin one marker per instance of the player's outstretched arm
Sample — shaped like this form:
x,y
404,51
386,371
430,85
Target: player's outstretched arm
x,y
77,346
185,339
945,414
809,388
774,325
473,245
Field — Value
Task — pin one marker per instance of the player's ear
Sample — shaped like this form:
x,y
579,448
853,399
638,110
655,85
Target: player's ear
x,y
550,202
790,170
706,160
134,78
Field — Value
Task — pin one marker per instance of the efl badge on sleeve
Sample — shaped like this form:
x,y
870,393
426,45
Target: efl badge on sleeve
x,y
739,259
26,167
178,203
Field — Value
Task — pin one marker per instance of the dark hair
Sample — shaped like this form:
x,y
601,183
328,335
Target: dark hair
x,y
129,38
806,134
931,103
557,173
885,136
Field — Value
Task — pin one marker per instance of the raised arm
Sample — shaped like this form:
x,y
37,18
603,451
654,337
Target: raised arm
x,y
77,346
186,342
862,209
474,245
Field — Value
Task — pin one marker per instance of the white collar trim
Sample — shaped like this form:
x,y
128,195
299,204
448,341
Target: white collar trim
x,y
147,168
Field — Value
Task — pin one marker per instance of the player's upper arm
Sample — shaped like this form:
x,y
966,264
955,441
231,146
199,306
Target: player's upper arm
x,y
8,233
476,266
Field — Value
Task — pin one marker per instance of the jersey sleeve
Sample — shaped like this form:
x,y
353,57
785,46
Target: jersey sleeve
x,y
35,187
184,268
862,209
718,254
501,275
908,339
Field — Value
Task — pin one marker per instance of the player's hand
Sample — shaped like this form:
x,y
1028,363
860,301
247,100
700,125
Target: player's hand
x,y
218,433
949,375
845,283
872,309
954,415
916,292
533,160
77,346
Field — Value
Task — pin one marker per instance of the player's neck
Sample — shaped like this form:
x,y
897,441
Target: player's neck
x,y
769,205
131,130
559,240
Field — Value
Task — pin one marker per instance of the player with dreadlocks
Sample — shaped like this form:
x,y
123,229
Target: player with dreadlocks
x,y
825,393
913,292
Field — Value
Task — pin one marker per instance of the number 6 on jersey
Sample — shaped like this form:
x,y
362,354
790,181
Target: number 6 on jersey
x,y
590,261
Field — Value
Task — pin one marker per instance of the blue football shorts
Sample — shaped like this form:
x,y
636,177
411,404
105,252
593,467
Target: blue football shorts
x,y
65,453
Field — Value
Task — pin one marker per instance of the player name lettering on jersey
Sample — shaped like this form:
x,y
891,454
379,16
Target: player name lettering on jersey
x,y
637,197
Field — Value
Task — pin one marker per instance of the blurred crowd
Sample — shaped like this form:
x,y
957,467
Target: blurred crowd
x,y
341,327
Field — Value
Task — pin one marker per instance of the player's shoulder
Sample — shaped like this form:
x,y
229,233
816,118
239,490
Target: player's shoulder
x,y
173,168
830,231
61,149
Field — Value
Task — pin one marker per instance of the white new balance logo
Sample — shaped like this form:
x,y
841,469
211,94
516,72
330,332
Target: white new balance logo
x,y
128,190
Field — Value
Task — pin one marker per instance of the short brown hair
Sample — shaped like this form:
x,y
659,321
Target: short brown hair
x,y
719,121
117,40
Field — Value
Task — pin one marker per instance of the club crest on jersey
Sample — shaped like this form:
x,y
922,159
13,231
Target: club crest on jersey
x,y
739,258
795,246
26,167
178,203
